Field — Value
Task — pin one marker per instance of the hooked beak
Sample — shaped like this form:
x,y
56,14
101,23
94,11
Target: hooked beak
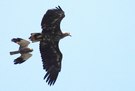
x,y
69,34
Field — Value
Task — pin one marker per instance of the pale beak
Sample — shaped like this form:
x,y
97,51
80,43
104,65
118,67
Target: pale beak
x,y
70,35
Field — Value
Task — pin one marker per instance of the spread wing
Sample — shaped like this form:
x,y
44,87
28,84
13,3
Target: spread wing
x,y
22,58
22,42
51,20
51,58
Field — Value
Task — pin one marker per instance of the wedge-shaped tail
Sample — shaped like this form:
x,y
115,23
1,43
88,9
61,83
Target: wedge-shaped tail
x,y
36,37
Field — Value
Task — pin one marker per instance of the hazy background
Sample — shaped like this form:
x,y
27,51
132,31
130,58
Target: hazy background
x,y
100,55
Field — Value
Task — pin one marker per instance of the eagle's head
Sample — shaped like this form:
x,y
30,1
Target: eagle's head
x,y
66,34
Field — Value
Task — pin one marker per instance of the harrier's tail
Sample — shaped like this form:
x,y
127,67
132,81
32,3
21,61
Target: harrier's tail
x,y
14,52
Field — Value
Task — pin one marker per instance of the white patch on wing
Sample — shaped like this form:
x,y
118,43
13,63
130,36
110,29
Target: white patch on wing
x,y
26,56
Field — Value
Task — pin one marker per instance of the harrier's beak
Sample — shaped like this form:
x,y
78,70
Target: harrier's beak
x,y
17,42
31,49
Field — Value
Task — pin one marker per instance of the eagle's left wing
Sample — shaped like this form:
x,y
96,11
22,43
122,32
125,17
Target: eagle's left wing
x,y
51,58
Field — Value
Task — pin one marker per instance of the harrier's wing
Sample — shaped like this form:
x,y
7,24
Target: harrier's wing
x,y
22,58
51,58
21,42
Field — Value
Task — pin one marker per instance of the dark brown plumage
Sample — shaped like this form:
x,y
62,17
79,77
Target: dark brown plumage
x,y
49,40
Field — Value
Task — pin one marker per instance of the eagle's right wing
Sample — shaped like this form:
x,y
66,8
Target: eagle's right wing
x,y
51,20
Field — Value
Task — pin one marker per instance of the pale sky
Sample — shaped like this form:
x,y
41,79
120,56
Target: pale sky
x,y
100,55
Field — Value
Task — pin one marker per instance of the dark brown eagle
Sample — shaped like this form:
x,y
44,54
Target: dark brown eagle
x,y
49,43
23,50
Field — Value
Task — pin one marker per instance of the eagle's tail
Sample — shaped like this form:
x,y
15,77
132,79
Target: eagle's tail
x,y
14,52
36,37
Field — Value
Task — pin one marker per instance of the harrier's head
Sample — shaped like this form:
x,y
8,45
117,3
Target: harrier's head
x,y
16,40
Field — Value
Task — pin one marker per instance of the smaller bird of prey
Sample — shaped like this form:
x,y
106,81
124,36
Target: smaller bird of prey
x,y
23,50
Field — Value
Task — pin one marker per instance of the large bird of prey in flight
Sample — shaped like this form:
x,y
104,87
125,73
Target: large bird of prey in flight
x,y
23,50
49,43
